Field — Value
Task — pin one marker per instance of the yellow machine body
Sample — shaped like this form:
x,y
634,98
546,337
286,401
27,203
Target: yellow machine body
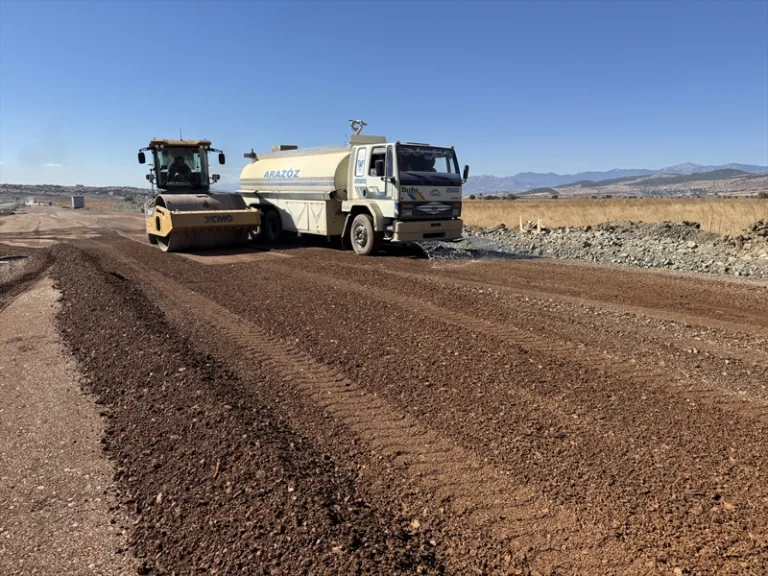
x,y
179,222
186,214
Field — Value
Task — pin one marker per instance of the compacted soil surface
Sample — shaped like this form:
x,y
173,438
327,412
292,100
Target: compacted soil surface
x,y
58,512
307,411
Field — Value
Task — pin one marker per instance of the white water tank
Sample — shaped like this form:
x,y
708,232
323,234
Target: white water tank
x,y
288,169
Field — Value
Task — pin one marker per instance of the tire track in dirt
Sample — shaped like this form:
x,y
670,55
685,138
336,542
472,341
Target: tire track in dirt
x,y
214,479
654,484
736,330
37,263
477,274
729,370
743,357
550,537
601,426
711,302
720,368
613,364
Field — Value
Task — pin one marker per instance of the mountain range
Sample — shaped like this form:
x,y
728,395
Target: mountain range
x,y
529,180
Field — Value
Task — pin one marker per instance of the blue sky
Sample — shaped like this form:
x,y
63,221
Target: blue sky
x,y
515,86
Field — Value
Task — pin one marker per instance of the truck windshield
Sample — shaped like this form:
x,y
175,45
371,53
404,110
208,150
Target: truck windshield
x,y
181,168
428,165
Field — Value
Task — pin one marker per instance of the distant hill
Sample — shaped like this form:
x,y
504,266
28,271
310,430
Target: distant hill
x,y
542,190
530,180
668,178
697,177
35,189
689,168
595,184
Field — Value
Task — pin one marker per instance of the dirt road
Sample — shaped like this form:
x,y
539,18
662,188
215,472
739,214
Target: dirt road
x,y
308,411
57,506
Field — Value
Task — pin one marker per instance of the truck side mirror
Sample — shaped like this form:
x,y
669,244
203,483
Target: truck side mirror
x,y
142,158
221,158
465,176
215,178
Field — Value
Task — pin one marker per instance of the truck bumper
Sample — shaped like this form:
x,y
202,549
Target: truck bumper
x,y
427,230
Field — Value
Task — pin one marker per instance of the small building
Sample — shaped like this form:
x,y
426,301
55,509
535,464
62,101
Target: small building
x,y
78,201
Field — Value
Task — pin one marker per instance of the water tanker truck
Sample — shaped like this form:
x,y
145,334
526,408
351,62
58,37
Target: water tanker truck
x,y
363,193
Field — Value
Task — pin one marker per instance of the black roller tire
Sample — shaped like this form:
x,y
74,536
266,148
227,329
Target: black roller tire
x,y
272,227
152,238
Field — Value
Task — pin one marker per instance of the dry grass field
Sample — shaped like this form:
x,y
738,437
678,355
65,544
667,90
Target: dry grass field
x,y
723,216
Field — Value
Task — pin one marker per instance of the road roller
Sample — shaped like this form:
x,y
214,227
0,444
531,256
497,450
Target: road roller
x,y
184,214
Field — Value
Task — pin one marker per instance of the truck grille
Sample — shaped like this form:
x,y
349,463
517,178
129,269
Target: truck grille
x,y
431,210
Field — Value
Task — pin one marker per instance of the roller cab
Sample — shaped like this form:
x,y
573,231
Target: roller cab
x,y
184,214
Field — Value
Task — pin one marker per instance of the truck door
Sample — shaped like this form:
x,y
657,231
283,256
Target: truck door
x,y
372,184
360,171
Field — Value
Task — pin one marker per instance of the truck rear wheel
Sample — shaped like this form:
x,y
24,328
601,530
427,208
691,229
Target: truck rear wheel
x,y
272,227
363,237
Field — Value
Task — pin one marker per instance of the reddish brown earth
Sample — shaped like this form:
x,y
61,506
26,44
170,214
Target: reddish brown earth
x,y
323,413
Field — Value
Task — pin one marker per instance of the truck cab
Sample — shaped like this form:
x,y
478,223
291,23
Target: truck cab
x,y
412,190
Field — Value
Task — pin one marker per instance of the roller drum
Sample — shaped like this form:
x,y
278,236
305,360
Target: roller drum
x,y
195,202
185,240
186,231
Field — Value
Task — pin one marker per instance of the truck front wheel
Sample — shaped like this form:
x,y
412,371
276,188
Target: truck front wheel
x,y
364,239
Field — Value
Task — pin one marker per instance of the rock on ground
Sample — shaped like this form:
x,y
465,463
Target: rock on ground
x,y
673,246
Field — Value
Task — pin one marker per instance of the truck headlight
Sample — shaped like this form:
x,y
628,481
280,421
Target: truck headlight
x,y
406,210
457,209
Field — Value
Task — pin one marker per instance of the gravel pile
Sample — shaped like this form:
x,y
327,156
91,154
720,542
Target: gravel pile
x,y
674,246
